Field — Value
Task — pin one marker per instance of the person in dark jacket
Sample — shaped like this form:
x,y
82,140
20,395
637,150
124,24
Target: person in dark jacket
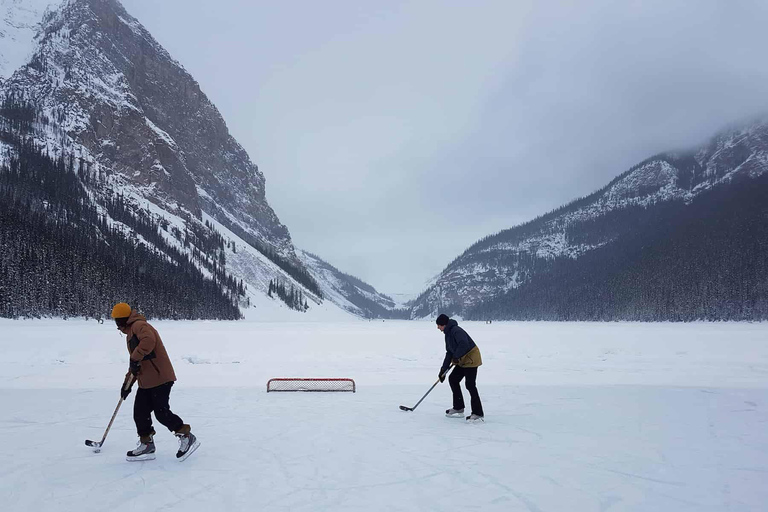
x,y
461,351
151,367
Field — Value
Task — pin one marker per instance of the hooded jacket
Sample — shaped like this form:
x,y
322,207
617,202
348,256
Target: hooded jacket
x,y
144,344
459,347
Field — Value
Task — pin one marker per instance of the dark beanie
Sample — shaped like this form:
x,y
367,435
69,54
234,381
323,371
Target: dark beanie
x,y
442,319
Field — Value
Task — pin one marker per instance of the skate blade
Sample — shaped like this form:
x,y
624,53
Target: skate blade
x,y
458,415
148,456
189,452
478,420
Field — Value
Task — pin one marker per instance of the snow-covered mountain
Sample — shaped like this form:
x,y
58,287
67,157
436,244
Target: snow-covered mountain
x,y
112,89
87,83
350,293
152,170
19,23
496,266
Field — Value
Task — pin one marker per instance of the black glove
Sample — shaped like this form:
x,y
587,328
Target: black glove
x,y
125,392
441,375
135,367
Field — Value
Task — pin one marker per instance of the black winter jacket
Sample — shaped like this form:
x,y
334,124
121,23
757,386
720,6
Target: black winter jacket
x,y
457,343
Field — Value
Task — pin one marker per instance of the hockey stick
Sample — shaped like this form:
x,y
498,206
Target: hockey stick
x,y
97,445
404,408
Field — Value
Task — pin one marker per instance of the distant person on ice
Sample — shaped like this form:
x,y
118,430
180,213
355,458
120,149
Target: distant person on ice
x,y
151,366
462,352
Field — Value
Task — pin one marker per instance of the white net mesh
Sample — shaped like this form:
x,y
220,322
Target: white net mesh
x,y
300,384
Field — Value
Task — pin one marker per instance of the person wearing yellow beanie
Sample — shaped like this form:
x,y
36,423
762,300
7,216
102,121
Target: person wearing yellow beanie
x,y
152,369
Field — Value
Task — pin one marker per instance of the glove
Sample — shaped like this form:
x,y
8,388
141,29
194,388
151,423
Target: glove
x,y
125,392
441,375
125,389
135,367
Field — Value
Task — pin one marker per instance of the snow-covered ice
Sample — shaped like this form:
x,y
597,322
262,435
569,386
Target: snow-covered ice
x,y
579,417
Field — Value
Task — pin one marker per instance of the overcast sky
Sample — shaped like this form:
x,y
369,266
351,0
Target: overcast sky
x,y
393,135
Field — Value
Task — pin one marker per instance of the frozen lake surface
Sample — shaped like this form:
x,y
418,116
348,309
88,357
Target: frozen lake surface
x,y
579,417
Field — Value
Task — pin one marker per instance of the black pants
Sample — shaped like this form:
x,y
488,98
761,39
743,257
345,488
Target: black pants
x,y
454,379
154,399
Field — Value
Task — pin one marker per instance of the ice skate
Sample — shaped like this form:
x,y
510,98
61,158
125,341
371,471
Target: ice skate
x,y
188,443
145,450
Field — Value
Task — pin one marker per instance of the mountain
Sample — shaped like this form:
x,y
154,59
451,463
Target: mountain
x,y
119,180
349,292
680,236
117,93
19,23
149,163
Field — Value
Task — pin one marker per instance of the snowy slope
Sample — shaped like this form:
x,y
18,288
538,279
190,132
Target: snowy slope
x,y
348,292
257,270
19,23
612,417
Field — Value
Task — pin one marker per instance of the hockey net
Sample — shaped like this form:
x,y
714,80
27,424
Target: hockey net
x,y
301,384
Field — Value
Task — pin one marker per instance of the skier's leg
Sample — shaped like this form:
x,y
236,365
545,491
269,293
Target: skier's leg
x,y
160,397
471,384
142,412
454,379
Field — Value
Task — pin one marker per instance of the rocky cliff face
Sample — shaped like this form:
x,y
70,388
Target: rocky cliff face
x,y
114,93
505,261
93,86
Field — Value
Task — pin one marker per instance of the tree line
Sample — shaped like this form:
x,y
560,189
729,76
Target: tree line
x,y
61,256
671,261
293,297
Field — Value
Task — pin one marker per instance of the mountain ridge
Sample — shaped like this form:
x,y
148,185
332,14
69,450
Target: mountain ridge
x,y
508,259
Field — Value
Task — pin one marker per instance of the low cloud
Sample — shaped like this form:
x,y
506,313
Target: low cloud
x,y
393,137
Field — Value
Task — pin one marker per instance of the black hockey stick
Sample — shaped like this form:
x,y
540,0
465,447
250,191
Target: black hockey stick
x,y
97,445
404,408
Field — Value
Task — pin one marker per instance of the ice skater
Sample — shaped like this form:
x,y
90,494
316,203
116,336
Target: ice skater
x,y
151,366
464,354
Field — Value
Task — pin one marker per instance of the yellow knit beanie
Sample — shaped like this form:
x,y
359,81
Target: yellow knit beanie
x,y
121,310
